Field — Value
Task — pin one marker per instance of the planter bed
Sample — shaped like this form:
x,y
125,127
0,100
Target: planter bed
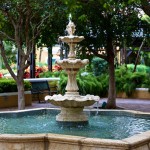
x,y
139,93
10,99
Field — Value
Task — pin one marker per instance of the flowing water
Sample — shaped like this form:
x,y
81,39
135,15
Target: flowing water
x,y
101,125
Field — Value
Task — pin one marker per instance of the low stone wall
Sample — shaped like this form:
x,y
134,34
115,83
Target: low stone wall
x,y
8,100
139,93
66,142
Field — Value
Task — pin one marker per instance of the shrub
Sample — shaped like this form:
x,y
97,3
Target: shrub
x,y
99,66
62,82
139,68
87,83
104,80
49,74
9,85
127,81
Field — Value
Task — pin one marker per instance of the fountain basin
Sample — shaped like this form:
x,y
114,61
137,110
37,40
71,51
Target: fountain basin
x,y
50,141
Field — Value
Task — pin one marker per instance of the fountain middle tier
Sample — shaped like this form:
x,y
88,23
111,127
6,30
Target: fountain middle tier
x,y
72,66
71,39
72,63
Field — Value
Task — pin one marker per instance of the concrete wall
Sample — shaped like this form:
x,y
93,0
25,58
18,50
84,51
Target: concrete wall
x,y
8,100
139,93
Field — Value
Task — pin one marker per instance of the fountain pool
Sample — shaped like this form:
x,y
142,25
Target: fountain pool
x,y
38,129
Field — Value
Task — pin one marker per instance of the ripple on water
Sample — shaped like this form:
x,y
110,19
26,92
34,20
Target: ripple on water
x,y
100,126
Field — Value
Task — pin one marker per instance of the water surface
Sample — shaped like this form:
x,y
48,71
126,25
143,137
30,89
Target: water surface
x,y
103,125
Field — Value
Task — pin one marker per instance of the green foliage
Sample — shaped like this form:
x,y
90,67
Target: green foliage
x,y
63,82
140,68
127,80
41,64
104,80
9,85
27,85
88,84
133,81
146,82
48,74
10,51
147,58
97,19
99,66
4,71
146,18
63,79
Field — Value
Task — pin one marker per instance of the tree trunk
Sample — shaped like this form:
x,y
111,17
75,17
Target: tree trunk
x,y
40,54
21,98
138,54
50,55
32,64
111,102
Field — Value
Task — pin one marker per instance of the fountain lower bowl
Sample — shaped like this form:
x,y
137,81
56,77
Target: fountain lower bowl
x,y
74,101
72,107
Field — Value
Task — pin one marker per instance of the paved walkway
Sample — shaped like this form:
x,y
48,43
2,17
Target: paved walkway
x,y
128,104
132,104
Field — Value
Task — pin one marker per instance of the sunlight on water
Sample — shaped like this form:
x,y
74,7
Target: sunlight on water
x,y
100,126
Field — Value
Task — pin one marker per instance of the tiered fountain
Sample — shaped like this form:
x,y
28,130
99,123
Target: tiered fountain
x,y
72,104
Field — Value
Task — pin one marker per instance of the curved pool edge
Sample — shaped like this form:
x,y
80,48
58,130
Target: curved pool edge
x,y
68,142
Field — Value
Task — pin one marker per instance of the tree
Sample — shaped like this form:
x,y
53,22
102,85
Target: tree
x,y
11,52
105,23
49,35
145,6
21,22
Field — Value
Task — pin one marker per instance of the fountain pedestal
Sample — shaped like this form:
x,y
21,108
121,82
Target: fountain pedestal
x,y
72,115
72,104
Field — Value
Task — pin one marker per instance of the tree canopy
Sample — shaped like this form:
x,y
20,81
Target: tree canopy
x,y
22,22
105,25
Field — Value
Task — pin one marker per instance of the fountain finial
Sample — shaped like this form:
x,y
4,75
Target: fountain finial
x,y
70,17
71,26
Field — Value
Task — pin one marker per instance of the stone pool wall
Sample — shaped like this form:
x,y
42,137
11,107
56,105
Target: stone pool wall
x,y
68,142
65,142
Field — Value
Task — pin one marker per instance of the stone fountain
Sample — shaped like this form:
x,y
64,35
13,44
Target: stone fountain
x,y
72,104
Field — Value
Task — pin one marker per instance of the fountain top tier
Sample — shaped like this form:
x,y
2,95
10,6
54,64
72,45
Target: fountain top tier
x,y
71,28
71,39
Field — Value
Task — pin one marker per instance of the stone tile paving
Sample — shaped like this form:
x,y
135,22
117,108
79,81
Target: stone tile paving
x,y
132,104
